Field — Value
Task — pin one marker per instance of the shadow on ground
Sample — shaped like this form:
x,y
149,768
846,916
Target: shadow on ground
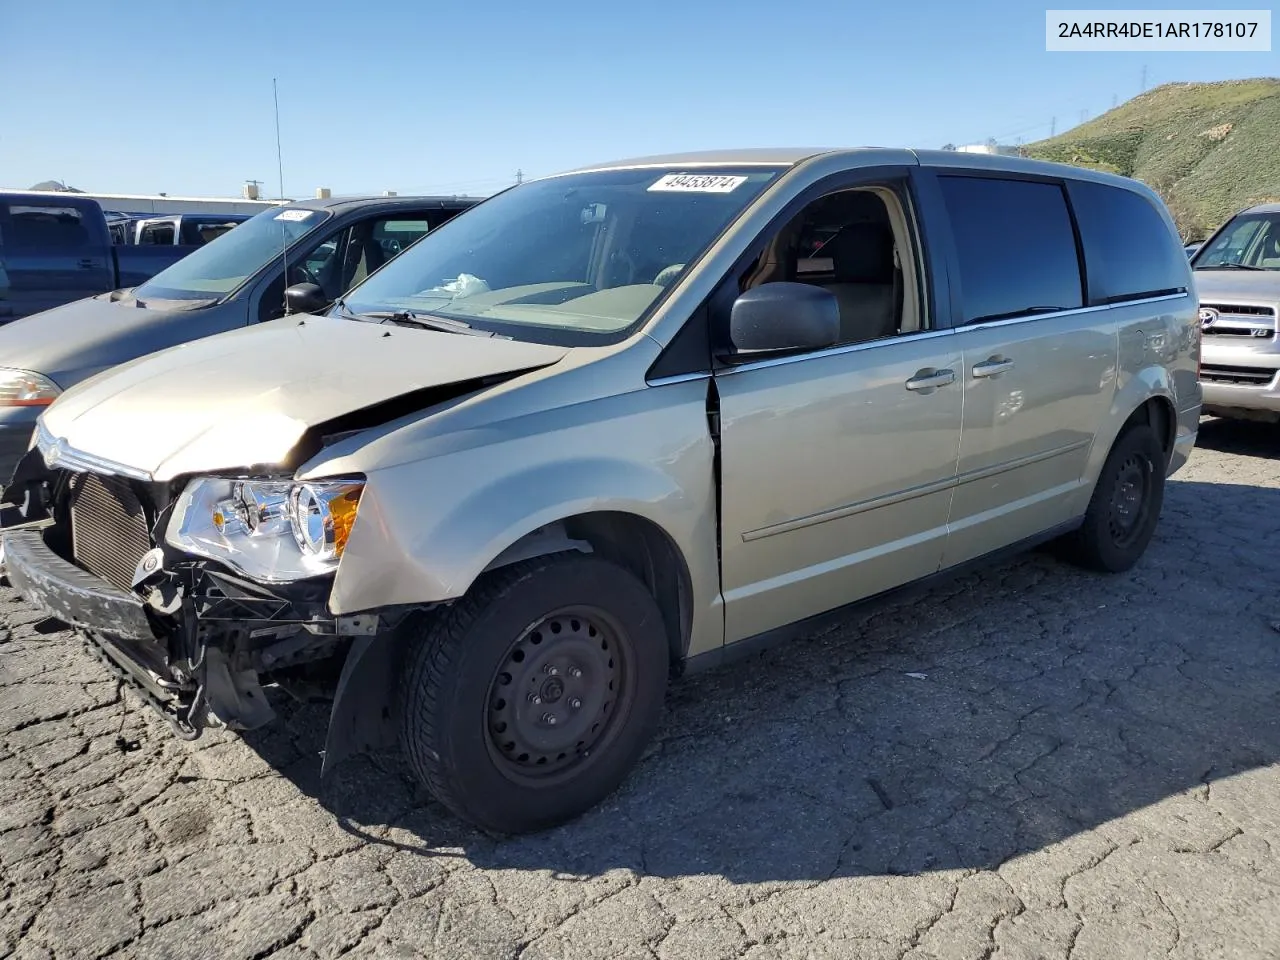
x,y
1243,437
1052,701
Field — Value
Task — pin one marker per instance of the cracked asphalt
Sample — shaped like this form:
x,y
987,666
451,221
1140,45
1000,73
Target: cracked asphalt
x,y
1031,762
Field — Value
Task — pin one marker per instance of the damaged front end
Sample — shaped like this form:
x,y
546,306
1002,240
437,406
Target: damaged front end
x,y
134,565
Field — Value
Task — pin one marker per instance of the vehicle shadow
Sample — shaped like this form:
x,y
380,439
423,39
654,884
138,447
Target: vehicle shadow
x,y
996,715
1246,438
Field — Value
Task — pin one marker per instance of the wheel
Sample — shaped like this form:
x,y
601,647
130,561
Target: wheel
x,y
528,701
1125,505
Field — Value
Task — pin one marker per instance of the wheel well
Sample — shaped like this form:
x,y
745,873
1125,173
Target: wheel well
x,y
1158,414
632,542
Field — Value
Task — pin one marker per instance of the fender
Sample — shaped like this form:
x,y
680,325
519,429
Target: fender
x,y
1146,383
402,553
482,529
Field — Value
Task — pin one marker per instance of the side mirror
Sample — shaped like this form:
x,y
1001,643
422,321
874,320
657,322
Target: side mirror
x,y
305,298
784,316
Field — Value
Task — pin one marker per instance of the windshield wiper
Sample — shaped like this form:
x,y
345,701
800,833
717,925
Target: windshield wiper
x,y
408,318
1230,266
348,314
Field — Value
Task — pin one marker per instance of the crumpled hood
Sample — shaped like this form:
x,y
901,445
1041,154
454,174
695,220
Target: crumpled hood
x,y
1230,285
245,398
76,340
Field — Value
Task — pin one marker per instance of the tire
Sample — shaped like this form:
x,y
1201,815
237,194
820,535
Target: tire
x,y
565,629
1125,506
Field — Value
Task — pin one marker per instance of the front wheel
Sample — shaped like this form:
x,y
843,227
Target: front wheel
x,y
528,701
1125,506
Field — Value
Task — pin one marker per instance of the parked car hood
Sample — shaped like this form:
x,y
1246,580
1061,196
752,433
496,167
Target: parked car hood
x,y
76,340
245,398
1238,284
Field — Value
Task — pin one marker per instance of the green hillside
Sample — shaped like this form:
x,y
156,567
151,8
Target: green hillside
x,y
1208,148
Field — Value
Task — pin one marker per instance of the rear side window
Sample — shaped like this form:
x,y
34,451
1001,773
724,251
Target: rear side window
x,y
47,226
1015,245
157,233
1129,250
197,232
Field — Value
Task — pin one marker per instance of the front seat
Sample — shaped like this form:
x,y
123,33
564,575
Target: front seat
x,y
862,261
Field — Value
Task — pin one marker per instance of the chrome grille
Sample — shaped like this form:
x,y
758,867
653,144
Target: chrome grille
x,y
1241,320
1251,376
109,534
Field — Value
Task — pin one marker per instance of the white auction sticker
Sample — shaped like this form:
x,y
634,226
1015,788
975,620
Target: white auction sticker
x,y
699,183
293,215
1182,31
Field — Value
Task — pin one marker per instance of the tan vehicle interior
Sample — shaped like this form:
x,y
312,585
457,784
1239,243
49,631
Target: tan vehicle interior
x,y
853,244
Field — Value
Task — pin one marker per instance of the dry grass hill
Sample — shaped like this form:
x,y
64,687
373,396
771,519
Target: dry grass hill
x,y
1208,148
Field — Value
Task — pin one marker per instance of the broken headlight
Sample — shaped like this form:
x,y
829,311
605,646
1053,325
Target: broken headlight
x,y
271,530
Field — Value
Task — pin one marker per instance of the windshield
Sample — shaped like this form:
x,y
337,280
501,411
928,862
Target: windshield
x,y
568,260
1251,240
223,264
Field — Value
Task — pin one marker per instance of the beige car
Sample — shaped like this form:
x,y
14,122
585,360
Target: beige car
x,y
607,426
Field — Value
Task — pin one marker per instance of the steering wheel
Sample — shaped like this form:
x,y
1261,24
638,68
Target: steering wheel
x,y
305,272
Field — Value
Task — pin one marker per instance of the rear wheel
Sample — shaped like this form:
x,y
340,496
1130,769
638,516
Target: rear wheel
x,y
528,701
1125,506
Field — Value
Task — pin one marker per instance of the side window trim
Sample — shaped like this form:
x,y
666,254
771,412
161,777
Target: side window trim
x,y
835,351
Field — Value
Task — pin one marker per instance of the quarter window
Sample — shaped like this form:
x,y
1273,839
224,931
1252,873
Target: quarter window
x,y
1129,250
1015,245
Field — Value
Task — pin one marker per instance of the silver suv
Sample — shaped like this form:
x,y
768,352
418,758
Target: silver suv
x,y
607,426
1237,276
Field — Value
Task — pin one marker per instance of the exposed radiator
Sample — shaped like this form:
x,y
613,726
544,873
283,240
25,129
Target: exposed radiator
x,y
109,534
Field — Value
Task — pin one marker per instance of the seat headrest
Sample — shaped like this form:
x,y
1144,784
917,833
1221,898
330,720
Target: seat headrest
x,y
862,253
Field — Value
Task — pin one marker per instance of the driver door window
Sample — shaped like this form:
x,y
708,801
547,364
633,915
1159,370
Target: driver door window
x,y
858,245
321,265
344,259
378,242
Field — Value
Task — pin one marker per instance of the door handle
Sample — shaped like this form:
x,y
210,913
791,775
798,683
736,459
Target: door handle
x,y
88,264
992,368
928,380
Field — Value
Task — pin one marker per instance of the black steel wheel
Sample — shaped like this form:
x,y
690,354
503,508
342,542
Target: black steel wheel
x,y
523,705
560,691
1129,501
1125,506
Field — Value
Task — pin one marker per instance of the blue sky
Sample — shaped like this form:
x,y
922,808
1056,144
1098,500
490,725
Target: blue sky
x,y
157,95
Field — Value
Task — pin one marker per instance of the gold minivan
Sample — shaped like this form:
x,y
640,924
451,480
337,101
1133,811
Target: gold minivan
x,y
607,426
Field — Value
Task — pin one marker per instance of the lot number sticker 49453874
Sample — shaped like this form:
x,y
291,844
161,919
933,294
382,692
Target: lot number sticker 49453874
x,y
699,183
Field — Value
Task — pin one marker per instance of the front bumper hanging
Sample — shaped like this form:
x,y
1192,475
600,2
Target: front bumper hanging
x,y
113,623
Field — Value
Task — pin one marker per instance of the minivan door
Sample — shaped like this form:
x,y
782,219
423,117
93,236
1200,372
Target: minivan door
x,y
1039,365
837,466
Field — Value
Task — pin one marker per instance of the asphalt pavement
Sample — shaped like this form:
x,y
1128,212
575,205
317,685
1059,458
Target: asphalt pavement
x,y
1030,762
